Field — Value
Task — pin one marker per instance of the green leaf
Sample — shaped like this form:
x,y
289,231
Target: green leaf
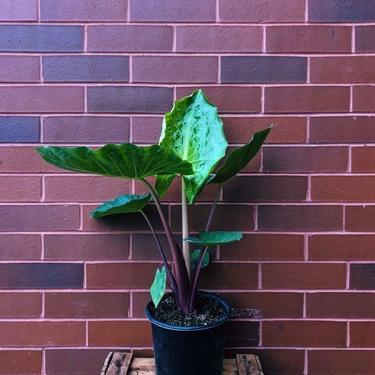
x,y
240,157
194,131
123,204
214,238
124,160
195,255
162,184
159,285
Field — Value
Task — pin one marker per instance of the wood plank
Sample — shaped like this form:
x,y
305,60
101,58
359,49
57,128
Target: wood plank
x,y
106,363
119,364
248,364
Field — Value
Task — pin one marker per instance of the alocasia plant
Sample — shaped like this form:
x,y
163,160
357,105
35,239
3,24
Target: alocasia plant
x,y
193,146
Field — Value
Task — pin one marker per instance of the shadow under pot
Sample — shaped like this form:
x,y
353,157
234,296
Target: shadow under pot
x,y
190,350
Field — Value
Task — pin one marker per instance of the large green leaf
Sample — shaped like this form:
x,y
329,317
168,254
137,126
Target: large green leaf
x,y
124,160
214,238
195,256
194,131
123,204
240,157
159,285
162,184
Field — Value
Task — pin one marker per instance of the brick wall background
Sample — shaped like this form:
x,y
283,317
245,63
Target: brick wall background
x,y
97,71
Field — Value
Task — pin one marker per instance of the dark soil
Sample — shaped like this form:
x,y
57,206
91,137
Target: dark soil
x,y
208,311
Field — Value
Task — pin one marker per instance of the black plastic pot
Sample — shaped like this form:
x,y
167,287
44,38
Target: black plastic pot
x,y
189,350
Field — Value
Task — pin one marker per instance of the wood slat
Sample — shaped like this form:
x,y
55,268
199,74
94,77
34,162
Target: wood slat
x,y
123,364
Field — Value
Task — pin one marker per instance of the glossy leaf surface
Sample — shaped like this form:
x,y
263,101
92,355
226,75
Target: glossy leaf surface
x,y
214,238
159,285
194,131
124,160
239,158
123,204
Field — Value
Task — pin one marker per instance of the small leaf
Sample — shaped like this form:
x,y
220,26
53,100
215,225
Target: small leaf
x,y
240,157
159,285
123,204
214,238
194,131
195,255
162,184
125,160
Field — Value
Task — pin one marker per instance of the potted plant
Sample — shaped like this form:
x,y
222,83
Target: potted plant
x,y
188,325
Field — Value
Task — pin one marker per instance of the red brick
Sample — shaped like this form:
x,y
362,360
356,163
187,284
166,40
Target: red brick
x,y
303,276
19,10
84,188
362,276
146,129
86,246
265,11
363,98
120,275
362,334
305,159
363,159
341,305
16,362
140,301
129,38
264,246
227,217
84,10
360,218
353,69
44,99
20,189
39,218
300,218
19,68
285,129
254,166
301,99
343,362
86,305
175,69
219,39
228,99
266,189
75,129
310,39
126,222
120,333
343,188
144,247
20,305
345,129
74,361
20,246
364,38
341,247
304,334
270,304
242,334
38,333
230,276
174,11
23,159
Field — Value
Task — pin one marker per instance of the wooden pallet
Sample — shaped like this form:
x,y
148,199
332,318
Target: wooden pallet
x,y
124,364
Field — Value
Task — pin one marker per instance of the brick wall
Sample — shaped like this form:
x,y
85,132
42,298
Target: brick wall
x,y
97,71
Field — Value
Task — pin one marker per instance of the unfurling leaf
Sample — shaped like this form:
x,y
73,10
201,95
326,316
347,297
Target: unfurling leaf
x,y
214,238
124,160
195,256
123,204
240,157
159,285
194,131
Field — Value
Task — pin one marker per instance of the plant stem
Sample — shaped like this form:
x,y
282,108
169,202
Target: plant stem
x,y
171,278
185,228
213,207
